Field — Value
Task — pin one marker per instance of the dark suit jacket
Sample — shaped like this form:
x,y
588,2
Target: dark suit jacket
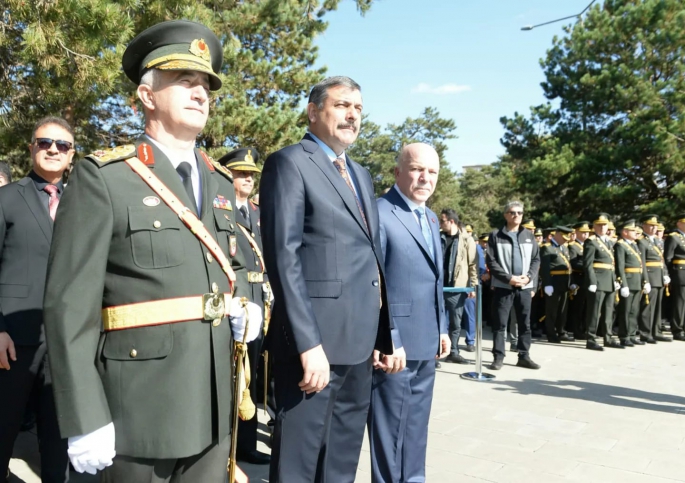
x,y
25,235
323,265
414,279
113,245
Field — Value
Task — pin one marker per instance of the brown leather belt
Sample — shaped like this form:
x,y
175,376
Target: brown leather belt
x,y
210,306
607,266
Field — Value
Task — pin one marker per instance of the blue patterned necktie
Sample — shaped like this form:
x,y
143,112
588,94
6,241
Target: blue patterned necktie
x,y
425,230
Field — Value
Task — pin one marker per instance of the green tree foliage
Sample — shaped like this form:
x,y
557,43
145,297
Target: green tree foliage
x,y
377,150
63,58
613,138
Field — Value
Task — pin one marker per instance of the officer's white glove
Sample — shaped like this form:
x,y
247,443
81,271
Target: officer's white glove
x,y
647,288
625,291
617,286
238,321
573,286
667,279
93,451
592,288
549,290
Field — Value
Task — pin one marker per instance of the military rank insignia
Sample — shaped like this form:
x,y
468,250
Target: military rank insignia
x,y
233,245
222,203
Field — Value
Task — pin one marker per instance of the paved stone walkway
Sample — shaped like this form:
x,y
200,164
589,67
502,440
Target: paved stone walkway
x,y
612,416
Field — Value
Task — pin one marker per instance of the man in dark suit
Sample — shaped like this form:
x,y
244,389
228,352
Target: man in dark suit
x,y
323,254
27,211
139,307
241,163
401,399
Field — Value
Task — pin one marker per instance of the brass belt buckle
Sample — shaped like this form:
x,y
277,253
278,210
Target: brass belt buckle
x,y
213,306
255,277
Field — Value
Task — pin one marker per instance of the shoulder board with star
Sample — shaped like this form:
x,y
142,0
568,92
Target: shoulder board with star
x,y
592,237
118,153
225,172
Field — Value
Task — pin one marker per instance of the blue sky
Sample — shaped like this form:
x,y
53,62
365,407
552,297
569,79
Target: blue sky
x,y
467,58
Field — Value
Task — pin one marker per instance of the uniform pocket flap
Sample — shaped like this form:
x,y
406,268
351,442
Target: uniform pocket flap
x,y
400,310
157,218
223,223
138,344
14,290
324,288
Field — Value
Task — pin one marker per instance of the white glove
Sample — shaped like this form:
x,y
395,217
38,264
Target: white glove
x,y
667,279
549,290
573,286
592,288
617,286
237,318
93,451
647,288
625,291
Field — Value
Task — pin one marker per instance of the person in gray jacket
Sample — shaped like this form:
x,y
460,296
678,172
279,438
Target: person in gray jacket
x,y
513,259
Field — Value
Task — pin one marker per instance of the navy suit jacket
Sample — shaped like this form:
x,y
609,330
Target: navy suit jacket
x,y
323,264
414,280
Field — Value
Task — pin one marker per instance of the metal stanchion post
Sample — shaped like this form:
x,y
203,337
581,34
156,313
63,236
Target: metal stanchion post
x,y
479,375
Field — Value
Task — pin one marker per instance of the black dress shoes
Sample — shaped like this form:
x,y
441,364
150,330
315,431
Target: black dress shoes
x,y
661,338
627,343
613,344
470,348
566,338
679,337
496,365
456,359
636,341
593,346
253,457
648,340
527,363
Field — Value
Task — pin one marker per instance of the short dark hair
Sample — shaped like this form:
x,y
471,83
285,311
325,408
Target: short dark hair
x,y
58,121
319,92
451,215
6,171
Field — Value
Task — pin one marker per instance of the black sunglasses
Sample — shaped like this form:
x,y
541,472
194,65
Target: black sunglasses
x,y
515,213
46,143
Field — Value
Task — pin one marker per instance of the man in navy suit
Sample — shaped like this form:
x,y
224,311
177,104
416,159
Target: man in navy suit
x,y
323,254
401,396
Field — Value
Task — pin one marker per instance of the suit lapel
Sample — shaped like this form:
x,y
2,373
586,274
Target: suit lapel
x,y
322,161
406,217
367,198
28,191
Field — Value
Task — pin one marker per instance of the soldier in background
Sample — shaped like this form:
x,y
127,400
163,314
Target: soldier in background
x,y
538,236
649,322
556,278
674,253
632,278
577,294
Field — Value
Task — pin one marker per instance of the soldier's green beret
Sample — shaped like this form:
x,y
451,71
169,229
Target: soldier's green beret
x,y
241,159
175,45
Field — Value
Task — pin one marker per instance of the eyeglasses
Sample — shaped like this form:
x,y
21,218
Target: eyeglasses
x,y
46,143
515,213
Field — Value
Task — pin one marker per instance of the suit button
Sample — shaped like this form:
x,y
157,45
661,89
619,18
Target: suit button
x,y
215,287
157,224
209,257
375,283
133,353
216,322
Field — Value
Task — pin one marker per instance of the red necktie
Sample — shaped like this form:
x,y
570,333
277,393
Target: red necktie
x,y
51,189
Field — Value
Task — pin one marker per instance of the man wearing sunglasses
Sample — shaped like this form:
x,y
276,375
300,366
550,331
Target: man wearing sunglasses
x,y
27,212
513,258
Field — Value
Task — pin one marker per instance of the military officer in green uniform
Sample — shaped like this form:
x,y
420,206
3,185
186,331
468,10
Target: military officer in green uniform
x,y
577,295
649,322
674,253
600,284
538,236
529,224
242,165
631,276
141,312
556,279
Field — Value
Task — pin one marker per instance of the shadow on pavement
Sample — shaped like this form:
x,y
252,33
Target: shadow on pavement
x,y
599,393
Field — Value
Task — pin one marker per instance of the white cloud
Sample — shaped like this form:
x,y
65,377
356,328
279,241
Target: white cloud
x,y
424,88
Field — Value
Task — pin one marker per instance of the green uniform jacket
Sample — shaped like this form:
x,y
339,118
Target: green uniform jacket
x,y
596,251
252,261
674,249
555,258
575,251
628,256
651,253
167,388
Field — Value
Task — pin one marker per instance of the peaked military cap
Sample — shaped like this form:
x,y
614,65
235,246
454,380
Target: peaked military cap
x,y
563,229
649,220
538,232
175,45
484,237
660,227
681,218
602,219
547,231
582,227
627,225
241,159
529,223
468,228
611,226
